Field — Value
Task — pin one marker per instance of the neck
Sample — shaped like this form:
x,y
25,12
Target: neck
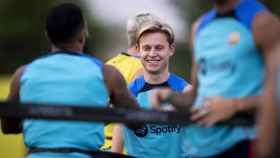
x,y
132,51
67,47
156,78
227,6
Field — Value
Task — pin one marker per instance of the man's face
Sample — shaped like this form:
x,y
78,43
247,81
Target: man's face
x,y
155,52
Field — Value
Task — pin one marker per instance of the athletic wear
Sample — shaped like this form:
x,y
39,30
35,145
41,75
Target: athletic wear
x,y
63,78
241,149
127,64
230,65
154,140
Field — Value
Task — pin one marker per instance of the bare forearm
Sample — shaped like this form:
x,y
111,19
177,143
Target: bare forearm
x,y
126,101
117,141
248,104
119,94
181,102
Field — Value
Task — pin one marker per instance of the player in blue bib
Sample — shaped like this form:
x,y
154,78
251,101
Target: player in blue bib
x,y
154,140
65,76
232,48
155,41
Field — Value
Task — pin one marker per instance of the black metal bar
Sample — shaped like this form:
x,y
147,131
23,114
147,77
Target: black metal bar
x,y
96,114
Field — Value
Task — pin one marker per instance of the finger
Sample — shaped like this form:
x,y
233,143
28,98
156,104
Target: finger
x,y
207,102
206,122
202,122
210,121
199,114
206,99
167,107
155,100
194,109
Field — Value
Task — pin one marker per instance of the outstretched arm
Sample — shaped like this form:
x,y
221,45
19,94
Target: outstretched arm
x,y
268,27
119,94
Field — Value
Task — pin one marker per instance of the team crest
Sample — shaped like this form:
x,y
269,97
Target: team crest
x,y
234,38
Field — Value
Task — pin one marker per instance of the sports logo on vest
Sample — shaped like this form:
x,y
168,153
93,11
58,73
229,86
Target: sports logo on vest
x,y
227,66
234,38
157,130
141,132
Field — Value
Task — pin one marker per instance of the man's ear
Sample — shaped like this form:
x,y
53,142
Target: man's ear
x,y
81,37
172,49
137,46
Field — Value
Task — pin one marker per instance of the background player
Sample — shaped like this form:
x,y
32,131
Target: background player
x,y
155,42
128,62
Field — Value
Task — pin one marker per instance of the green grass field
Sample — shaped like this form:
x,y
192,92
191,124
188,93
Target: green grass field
x,y
10,146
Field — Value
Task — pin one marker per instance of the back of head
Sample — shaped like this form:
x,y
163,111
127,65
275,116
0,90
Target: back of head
x,y
63,23
135,23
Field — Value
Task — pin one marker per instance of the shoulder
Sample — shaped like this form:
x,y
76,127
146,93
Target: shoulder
x,y
203,20
138,71
135,68
15,81
114,59
19,72
137,85
129,66
110,72
121,59
266,29
133,60
112,77
265,18
196,25
177,83
247,10
94,60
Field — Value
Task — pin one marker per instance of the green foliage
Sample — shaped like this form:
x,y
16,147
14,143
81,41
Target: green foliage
x,y
22,33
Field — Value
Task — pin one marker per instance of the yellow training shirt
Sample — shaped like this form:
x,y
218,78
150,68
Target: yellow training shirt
x,y
129,66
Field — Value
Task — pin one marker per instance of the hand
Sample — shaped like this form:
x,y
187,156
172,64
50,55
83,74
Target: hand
x,y
158,97
216,109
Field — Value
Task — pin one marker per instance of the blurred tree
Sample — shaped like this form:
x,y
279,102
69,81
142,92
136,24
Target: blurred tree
x,y
22,34
273,5
22,31
22,38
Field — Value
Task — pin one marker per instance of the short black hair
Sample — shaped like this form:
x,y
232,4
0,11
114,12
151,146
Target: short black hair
x,y
64,22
